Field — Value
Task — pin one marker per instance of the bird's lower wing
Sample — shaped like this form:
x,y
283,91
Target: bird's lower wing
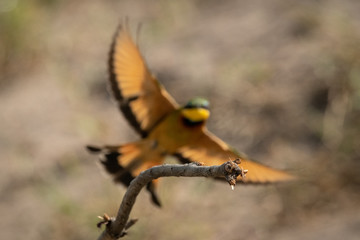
x,y
210,150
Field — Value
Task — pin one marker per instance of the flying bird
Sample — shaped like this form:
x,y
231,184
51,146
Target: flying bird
x,y
166,128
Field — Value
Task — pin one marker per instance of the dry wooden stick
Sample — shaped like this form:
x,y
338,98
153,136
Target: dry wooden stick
x,y
116,227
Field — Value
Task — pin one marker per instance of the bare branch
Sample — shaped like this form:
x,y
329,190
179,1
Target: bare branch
x,y
116,228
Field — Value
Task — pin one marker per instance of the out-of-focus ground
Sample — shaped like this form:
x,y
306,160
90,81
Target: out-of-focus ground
x,y
283,78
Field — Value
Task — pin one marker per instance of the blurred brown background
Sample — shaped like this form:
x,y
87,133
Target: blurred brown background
x,y
283,78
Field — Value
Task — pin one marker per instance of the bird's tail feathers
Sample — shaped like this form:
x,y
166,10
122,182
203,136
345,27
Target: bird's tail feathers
x,y
126,161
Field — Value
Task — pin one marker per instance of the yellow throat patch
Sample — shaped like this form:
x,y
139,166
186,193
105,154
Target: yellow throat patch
x,y
195,114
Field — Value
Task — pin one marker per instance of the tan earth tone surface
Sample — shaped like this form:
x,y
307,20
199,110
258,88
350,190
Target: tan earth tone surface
x,y
283,78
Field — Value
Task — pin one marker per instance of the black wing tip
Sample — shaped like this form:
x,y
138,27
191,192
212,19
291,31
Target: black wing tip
x,y
181,158
129,115
154,198
123,26
112,76
93,149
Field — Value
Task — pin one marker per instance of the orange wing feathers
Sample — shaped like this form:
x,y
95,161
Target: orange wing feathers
x,y
141,98
213,151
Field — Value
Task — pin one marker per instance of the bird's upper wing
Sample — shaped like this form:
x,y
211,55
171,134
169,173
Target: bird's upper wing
x,y
211,150
141,98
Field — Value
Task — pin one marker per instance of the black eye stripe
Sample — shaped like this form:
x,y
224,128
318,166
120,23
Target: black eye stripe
x,y
196,106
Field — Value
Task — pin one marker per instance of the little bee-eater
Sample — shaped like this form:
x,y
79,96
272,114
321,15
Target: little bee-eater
x,y
166,128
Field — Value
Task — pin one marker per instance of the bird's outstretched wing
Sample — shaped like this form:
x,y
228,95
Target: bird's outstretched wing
x,y
141,98
211,150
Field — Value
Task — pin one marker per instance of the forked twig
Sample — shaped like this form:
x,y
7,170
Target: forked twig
x,y
116,227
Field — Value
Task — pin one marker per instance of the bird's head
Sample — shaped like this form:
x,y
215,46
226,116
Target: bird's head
x,y
196,110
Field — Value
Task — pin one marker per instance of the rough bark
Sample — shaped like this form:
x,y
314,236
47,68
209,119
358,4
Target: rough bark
x,y
116,227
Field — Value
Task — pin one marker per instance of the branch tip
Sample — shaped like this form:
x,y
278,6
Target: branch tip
x,y
232,171
237,161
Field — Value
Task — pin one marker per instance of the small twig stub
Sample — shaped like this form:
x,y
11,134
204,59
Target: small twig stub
x,y
104,220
